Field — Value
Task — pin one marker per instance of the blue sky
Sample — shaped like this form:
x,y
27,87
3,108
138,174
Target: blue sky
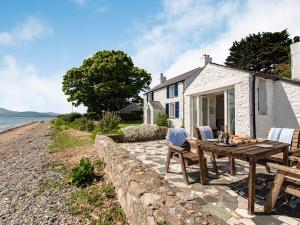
x,y
41,40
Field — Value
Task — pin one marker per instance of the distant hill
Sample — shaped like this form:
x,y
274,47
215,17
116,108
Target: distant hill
x,y
9,113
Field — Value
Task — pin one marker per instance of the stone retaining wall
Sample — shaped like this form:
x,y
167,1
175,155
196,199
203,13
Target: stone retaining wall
x,y
144,195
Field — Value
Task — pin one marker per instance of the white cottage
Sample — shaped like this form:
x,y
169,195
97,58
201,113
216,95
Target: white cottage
x,y
215,95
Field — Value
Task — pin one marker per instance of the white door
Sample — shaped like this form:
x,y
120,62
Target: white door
x,y
148,116
203,111
199,112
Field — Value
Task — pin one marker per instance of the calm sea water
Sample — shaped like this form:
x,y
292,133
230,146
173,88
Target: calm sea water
x,y
10,122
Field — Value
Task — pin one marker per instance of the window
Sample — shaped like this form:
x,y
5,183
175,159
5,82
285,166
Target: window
x,y
151,96
262,98
172,91
172,110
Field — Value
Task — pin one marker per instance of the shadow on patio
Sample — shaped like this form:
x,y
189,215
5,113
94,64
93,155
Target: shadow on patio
x,y
224,196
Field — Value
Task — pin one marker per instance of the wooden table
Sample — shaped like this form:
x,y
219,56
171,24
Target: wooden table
x,y
248,152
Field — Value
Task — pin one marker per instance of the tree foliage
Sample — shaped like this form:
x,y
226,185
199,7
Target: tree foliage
x,y
107,81
261,52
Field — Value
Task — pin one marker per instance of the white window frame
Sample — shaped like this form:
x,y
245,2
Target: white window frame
x,y
172,110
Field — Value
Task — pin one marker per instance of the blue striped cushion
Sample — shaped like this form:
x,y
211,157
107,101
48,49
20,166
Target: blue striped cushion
x,y
177,136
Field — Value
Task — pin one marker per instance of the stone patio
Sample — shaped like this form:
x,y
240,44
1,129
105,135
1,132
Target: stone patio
x,y
225,196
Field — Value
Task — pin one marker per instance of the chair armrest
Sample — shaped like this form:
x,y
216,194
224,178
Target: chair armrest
x,y
289,171
176,148
294,159
295,152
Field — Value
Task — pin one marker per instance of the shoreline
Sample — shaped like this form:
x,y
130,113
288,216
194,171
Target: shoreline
x,y
20,126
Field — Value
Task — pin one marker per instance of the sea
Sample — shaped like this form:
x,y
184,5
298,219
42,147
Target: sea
x,y
11,122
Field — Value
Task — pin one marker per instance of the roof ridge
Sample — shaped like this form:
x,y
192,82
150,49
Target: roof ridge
x,y
175,79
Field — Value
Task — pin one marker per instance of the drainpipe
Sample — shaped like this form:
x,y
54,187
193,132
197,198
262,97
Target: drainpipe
x,y
183,89
253,106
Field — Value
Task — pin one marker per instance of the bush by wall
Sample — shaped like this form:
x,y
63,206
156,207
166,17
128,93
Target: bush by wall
x,y
162,120
82,174
143,132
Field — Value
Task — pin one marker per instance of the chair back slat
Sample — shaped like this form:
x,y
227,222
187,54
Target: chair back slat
x,y
295,143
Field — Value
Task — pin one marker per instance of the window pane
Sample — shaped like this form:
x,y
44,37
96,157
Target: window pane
x,y
204,111
194,105
231,111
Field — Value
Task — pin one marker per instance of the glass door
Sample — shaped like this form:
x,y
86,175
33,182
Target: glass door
x,y
231,111
205,111
194,114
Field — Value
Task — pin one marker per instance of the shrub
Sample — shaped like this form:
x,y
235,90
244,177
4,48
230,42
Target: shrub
x,y
86,124
82,174
143,132
162,120
69,118
109,122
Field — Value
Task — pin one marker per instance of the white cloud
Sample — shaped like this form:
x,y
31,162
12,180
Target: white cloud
x,y
188,29
23,88
31,29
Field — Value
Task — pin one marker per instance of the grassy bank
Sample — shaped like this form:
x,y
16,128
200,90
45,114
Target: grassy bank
x,y
96,202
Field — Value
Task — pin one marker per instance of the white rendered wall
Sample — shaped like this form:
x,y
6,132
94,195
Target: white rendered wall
x,y
264,122
295,60
161,96
214,78
286,105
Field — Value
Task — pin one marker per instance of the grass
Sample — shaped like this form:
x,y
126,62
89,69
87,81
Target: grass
x,y
97,203
93,204
63,139
46,186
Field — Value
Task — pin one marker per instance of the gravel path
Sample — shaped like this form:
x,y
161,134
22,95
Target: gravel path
x,y
30,191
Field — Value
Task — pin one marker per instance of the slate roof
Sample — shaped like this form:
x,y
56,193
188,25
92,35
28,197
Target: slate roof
x,y
179,78
156,104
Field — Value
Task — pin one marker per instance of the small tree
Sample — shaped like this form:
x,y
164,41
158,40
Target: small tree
x,y
162,120
261,52
107,81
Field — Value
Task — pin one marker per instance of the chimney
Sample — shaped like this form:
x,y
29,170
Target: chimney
x,y
205,60
295,58
162,78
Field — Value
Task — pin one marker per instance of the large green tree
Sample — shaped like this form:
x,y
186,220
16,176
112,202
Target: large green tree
x,y
262,52
107,81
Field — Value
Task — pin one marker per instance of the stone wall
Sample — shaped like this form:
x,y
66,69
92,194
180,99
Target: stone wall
x,y
144,195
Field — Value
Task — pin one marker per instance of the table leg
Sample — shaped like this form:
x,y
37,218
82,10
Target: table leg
x,y
251,186
232,166
285,152
202,166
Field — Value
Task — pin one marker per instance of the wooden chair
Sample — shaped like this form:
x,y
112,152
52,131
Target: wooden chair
x,y
186,158
295,150
287,179
213,156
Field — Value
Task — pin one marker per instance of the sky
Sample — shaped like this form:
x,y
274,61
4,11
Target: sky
x,y
42,39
